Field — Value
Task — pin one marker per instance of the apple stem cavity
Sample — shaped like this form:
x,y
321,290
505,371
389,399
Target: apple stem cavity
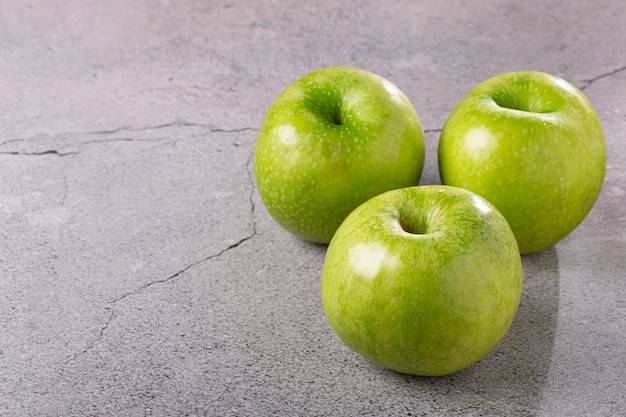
x,y
410,228
329,107
336,117
521,102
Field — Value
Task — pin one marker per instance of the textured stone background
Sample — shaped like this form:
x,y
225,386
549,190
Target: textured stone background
x,y
140,274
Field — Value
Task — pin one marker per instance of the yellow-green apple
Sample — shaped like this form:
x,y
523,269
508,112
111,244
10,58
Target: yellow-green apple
x,y
330,141
531,144
422,280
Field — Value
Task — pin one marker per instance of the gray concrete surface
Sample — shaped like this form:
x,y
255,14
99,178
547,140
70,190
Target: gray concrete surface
x,y
140,274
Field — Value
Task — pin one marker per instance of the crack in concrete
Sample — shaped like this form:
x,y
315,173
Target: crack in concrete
x,y
176,124
168,140
588,82
183,270
251,183
92,344
238,130
65,183
113,302
6,142
213,256
48,152
123,139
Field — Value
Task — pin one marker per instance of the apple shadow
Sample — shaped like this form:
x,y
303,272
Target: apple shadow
x,y
511,379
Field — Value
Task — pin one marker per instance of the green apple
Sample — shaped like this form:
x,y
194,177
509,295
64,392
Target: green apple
x,y
330,141
531,144
422,280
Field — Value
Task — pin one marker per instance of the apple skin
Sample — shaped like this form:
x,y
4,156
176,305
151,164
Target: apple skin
x,y
330,141
422,280
531,144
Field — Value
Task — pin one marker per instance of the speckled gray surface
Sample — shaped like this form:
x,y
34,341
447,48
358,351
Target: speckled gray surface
x,y
140,274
